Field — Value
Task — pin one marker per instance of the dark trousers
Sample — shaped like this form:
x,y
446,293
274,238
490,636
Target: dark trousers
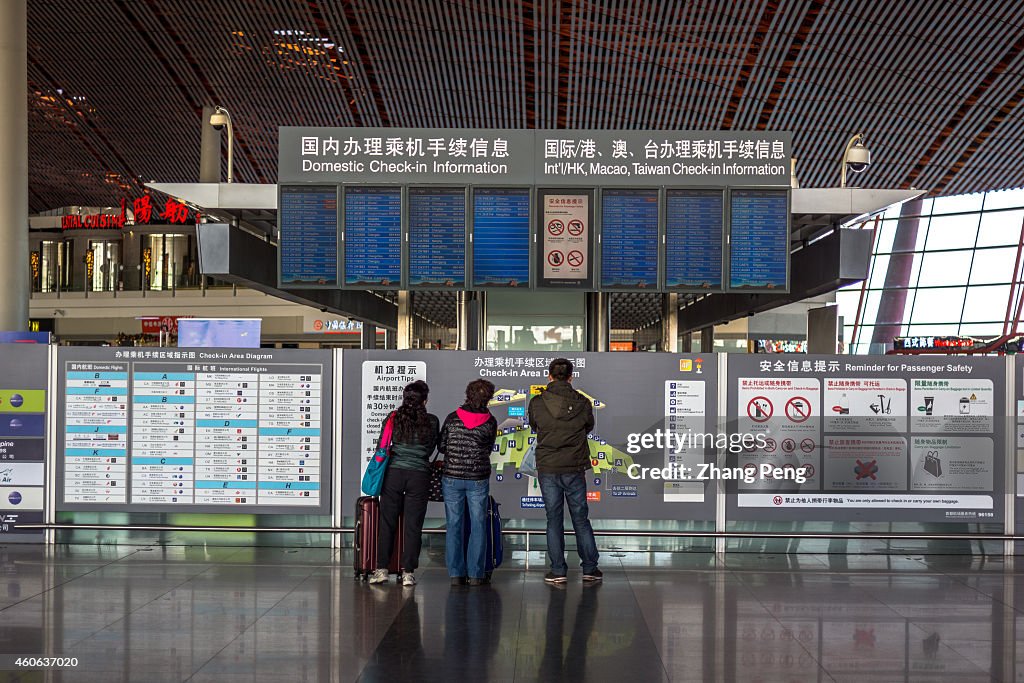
x,y
404,492
558,489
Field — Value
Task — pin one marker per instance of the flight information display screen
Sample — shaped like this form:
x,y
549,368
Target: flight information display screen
x,y
373,237
437,237
501,238
693,239
629,239
308,224
759,239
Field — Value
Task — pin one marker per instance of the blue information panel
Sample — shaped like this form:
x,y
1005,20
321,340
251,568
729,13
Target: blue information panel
x,y
759,239
437,237
693,239
308,223
373,237
629,239
501,238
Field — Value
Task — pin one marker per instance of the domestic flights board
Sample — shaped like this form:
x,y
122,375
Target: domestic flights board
x,y
501,238
308,226
437,237
629,239
211,429
373,237
693,239
759,239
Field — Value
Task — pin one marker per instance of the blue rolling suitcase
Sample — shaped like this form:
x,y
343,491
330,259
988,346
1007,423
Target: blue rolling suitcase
x,y
495,546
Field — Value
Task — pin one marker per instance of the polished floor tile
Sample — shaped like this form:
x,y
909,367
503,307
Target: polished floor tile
x,y
267,614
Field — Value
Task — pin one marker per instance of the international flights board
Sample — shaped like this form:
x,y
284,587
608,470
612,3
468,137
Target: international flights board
x,y
693,239
629,239
758,239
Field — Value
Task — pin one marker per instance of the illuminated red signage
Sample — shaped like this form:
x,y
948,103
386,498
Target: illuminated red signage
x,y
144,210
96,221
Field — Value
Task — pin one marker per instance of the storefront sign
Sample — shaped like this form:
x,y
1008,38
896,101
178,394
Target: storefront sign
x,y
161,323
934,343
96,221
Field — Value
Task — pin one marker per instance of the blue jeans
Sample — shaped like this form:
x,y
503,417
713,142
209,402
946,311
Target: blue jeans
x,y
570,488
460,494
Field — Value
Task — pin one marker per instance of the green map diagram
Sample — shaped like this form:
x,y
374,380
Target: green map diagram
x,y
514,438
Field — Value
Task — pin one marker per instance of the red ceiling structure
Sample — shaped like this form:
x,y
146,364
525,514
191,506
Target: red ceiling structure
x,y
116,87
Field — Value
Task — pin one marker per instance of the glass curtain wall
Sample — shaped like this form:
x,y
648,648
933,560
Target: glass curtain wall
x,y
963,263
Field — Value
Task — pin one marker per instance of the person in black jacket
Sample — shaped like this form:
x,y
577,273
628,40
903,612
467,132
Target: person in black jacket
x,y
562,418
406,482
466,441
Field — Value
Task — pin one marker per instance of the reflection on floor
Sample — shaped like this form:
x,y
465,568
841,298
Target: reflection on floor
x,y
261,614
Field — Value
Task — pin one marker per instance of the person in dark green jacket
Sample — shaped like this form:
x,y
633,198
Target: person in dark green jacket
x,y
562,419
406,482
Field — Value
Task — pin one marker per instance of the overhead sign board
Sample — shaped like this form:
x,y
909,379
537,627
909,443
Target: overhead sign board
x,y
484,156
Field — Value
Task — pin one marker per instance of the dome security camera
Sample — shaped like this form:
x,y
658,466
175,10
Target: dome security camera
x,y
856,157
859,158
219,119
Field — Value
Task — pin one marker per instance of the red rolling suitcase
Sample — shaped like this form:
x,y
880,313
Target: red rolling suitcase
x,y
366,529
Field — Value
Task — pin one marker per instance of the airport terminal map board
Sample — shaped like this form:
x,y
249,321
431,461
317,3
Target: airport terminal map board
x,y
694,222
373,237
883,438
629,239
308,222
501,237
23,401
759,240
437,238
202,430
662,391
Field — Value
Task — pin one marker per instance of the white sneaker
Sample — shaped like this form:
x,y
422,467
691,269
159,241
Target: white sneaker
x,y
408,579
379,576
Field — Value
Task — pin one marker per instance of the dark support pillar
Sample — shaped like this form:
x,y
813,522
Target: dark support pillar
x,y
707,340
368,337
403,340
15,282
893,304
598,314
670,323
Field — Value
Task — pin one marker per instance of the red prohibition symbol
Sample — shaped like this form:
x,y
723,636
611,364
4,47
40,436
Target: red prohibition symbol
x,y
556,227
575,227
798,409
555,258
575,257
760,409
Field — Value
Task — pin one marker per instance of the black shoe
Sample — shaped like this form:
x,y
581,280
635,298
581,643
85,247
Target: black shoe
x,y
594,575
478,582
552,577
458,580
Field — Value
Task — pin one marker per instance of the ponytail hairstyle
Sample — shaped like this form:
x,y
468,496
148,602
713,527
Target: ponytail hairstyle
x,y
479,392
411,423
